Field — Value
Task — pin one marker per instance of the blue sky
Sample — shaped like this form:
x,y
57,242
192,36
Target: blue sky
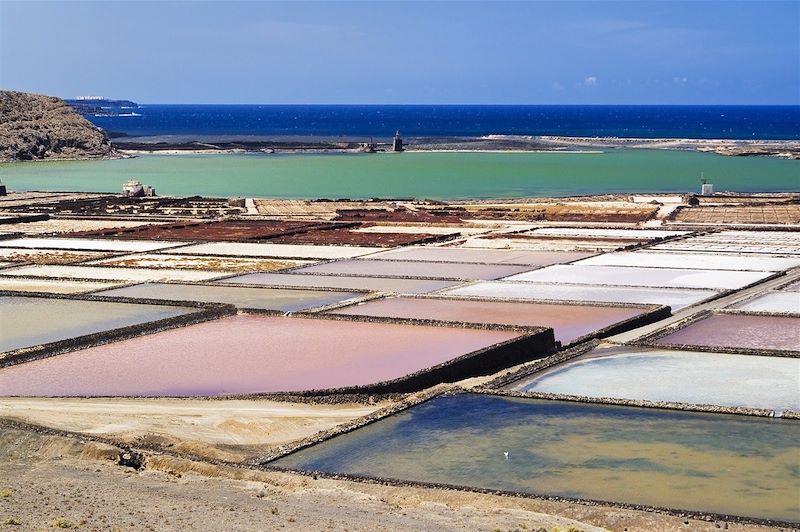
x,y
535,52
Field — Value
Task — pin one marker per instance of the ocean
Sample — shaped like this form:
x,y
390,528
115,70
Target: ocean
x,y
381,121
434,175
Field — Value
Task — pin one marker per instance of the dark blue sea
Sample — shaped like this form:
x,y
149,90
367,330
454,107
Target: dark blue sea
x,y
380,121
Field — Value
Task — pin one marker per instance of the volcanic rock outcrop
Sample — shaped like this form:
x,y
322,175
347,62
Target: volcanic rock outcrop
x,y
34,126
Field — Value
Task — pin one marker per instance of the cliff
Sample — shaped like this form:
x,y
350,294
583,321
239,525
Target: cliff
x,y
34,126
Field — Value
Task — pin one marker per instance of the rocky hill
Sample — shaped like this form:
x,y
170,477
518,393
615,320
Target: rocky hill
x,y
34,126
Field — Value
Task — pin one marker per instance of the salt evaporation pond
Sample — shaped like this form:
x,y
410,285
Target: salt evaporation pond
x,y
89,244
700,261
739,330
31,321
247,354
345,282
718,463
434,270
52,286
775,302
569,322
285,251
793,287
283,299
102,273
486,256
650,374
675,298
632,276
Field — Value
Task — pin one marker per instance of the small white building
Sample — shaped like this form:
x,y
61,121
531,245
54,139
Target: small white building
x,y
135,189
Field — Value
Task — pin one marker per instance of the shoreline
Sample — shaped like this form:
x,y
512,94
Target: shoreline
x,y
126,147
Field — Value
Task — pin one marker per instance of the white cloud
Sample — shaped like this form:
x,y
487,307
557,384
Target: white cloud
x,y
556,86
680,80
590,81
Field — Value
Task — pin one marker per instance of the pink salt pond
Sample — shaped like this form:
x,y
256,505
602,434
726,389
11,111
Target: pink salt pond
x,y
568,321
247,354
739,331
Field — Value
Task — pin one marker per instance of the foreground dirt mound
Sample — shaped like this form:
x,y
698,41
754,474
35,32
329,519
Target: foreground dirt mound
x,y
34,126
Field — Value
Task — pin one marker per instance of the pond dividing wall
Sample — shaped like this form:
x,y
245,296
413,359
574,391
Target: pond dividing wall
x,y
281,299
32,321
247,354
569,322
345,282
720,379
735,465
738,331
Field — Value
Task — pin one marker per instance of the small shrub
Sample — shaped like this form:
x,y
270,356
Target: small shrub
x,y
11,521
63,522
6,492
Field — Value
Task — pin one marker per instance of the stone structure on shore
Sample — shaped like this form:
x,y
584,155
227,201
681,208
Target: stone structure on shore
x,y
34,126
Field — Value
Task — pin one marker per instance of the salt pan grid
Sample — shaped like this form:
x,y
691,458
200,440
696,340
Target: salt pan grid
x,y
276,250
486,256
701,261
345,282
523,291
87,244
721,379
569,322
113,274
247,354
632,276
432,270
282,299
32,321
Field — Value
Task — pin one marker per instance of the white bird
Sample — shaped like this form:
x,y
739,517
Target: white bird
x,y
506,454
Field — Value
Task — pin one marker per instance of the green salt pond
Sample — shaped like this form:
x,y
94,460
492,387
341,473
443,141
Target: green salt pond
x,y
726,464
428,175
31,321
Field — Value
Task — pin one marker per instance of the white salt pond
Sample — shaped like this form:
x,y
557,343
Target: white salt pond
x,y
525,291
675,376
486,256
643,234
298,251
701,261
112,274
633,276
52,286
776,302
88,244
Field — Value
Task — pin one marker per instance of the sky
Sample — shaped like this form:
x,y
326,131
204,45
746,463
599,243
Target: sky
x,y
405,52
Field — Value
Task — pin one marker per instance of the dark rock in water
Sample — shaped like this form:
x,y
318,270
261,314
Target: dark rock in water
x,y
34,126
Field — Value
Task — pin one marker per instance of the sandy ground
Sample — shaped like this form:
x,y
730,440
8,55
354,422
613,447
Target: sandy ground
x,y
50,480
231,430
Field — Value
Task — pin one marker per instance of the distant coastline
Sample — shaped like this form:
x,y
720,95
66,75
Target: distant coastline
x,y
177,145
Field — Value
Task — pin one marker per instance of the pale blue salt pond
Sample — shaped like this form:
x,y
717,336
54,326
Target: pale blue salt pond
x,y
675,376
